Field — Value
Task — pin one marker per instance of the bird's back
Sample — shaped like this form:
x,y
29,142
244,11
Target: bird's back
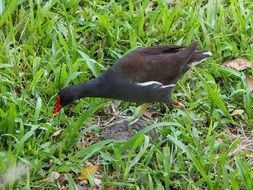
x,y
161,63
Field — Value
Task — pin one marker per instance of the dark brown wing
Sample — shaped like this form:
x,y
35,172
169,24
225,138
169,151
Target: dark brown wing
x,y
161,64
155,50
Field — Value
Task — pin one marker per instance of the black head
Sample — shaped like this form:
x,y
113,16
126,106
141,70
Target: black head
x,y
65,96
71,93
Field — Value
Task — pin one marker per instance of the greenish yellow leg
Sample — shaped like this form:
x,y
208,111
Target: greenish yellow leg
x,y
140,110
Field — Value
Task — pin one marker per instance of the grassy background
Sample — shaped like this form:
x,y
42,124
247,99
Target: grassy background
x,y
45,45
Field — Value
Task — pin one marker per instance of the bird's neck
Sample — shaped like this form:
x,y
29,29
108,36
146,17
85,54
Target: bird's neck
x,y
88,89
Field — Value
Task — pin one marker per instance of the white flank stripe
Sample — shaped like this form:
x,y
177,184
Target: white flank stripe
x,y
148,83
168,86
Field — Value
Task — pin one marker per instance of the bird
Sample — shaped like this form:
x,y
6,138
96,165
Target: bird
x,y
145,75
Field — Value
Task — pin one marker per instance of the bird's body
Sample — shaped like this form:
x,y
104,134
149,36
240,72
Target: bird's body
x,y
145,75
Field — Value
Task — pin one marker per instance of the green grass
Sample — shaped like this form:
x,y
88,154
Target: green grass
x,y
45,45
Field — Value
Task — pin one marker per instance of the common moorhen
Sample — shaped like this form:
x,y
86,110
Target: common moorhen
x,y
145,75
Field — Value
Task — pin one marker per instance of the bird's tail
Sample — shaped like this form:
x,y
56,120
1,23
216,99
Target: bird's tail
x,y
198,57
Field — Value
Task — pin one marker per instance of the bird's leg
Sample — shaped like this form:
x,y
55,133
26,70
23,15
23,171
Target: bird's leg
x,y
178,104
174,103
140,110
181,106
170,101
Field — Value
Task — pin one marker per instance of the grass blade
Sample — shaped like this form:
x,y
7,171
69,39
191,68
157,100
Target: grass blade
x,y
195,161
10,7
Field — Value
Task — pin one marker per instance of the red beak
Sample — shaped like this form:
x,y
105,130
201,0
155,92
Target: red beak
x,y
58,106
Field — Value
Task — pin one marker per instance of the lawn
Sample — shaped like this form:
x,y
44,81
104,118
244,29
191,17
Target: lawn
x,y
46,45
